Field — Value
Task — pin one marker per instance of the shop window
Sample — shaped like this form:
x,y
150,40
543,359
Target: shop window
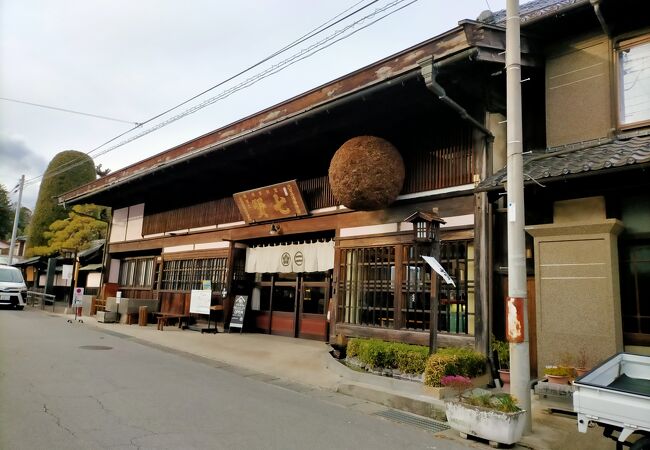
x,y
457,309
634,82
188,274
284,298
136,273
367,286
416,287
314,300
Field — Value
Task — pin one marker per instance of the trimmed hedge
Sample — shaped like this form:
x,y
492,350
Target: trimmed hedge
x,y
453,361
415,359
377,353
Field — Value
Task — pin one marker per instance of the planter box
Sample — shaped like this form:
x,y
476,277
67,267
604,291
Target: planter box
x,y
494,426
106,317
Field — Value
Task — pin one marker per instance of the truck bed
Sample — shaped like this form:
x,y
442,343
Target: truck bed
x,y
616,393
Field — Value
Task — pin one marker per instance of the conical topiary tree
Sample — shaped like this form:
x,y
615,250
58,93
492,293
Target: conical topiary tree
x,y
67,170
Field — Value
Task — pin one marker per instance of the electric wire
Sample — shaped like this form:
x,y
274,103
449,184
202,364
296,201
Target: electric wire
x,y
56,108
324,26
301,55
254,79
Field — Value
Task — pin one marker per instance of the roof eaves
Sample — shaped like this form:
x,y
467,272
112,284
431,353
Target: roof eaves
x,y
73,197
579,159
403,62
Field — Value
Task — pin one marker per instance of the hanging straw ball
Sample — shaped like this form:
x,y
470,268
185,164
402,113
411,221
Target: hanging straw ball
x,y
366,173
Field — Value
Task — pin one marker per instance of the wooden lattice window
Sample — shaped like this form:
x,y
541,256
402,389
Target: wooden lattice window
x,y
367,286
136,273
188,274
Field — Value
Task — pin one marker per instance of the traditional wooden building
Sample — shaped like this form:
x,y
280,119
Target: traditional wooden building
x,y
250,206
586,185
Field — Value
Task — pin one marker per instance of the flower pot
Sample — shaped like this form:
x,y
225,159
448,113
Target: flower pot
x,y
558,379
494,426
580,371
504,374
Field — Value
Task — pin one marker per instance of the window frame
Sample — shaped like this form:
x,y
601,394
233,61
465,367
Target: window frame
x,y
184,275
622,45
403,315
137,273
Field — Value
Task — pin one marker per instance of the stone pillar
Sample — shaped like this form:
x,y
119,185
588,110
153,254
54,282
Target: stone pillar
x,y
577,283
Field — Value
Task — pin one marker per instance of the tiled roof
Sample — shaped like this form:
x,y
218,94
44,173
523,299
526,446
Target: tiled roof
x,y
578,158
534,9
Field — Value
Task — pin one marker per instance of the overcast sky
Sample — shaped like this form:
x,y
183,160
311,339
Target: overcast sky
x,y
131,60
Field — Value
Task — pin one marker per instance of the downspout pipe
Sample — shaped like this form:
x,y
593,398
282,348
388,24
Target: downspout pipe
x,y
430,69
599,15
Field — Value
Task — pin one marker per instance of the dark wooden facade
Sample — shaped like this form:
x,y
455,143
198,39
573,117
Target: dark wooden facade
x,y
188,207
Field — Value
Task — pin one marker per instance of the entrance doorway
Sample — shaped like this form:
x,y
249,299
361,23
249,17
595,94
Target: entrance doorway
x,y
292,304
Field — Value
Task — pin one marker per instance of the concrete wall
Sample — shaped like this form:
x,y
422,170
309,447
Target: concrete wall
x,y
579,91
576,282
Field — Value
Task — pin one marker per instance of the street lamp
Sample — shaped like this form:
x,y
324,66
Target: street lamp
x,y
426,230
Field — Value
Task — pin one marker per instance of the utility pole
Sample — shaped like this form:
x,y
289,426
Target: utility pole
x,y
517,303
16,217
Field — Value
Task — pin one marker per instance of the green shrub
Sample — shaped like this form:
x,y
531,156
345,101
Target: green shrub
x,y
411,358
415,359
470,362
559,371
438,366
453,361
352,348
381,354
374,353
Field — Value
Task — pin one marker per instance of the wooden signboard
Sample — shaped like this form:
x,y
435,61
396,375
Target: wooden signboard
x,y
238,311
278,201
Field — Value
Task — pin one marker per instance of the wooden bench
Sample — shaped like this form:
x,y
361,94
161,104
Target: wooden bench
x,y
164,318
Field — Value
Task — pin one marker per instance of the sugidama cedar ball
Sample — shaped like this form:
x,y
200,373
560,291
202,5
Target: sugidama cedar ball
x,y
366,173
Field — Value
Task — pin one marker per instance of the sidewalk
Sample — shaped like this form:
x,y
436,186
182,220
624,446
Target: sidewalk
x,y
309,363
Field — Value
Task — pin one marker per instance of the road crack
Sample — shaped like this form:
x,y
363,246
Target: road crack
x,y
58,420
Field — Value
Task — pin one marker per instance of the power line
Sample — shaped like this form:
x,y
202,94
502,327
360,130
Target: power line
x,y
324,26
301,55
55,108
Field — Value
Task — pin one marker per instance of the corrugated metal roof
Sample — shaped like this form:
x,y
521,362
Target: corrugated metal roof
x,y
578,158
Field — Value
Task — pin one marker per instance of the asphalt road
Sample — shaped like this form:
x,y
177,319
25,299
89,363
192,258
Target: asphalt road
x,y
71,386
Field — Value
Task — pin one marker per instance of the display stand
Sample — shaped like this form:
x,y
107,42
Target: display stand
x,y
201,304
214,330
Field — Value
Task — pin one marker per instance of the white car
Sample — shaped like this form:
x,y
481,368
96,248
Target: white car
x,y
13,291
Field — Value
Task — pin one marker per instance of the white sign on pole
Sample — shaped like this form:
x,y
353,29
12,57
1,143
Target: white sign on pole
x,y
200,301
78,297
66,272
435,265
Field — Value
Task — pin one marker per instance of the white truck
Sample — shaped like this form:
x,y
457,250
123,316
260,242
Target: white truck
x,y
616,395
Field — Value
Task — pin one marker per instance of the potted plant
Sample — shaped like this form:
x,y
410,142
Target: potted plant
x,y
558,375
503,354
487,415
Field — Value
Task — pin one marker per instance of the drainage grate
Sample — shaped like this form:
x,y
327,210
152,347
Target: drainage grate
x,y
95,347
410,419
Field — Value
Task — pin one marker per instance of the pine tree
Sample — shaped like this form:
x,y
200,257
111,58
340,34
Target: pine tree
x,y
67,170
6,214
